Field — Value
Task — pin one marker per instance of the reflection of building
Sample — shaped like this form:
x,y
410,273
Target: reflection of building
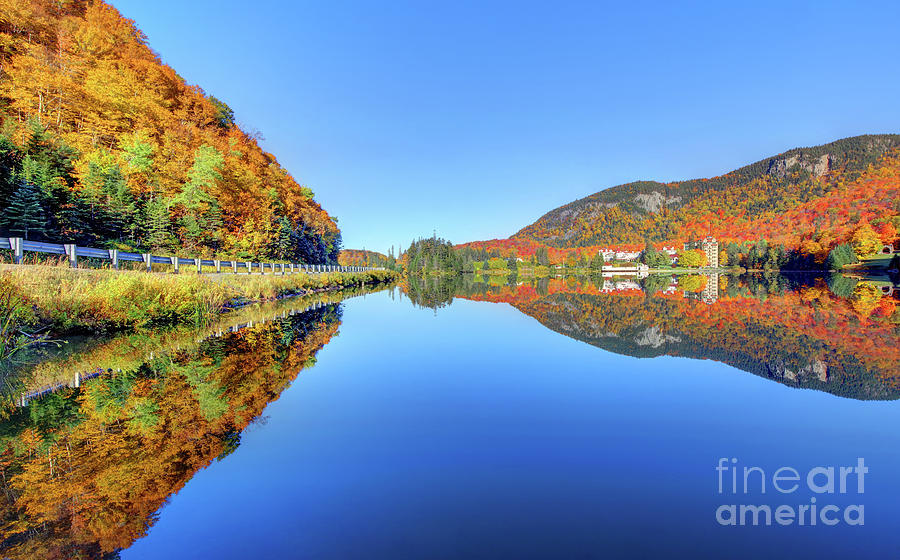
x,y
711,291
640,270
709,246
620,286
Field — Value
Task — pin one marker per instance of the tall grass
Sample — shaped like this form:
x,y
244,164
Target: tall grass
x,y
98,299
85,299
259,287
14,314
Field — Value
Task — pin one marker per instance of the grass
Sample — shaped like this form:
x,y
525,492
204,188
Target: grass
x,y
71,300
15,313
257,287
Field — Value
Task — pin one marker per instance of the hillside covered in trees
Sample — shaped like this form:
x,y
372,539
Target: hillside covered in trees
x,y
809,198
102,144
363,257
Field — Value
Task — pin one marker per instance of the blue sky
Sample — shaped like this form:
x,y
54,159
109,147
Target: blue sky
x,y
475,118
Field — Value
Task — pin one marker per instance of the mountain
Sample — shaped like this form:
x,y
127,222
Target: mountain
x,y
103,144
817,195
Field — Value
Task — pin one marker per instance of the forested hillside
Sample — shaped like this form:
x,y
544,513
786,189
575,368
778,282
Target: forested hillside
x,y
103,144
362,257
811,197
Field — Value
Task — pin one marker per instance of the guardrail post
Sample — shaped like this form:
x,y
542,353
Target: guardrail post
x,y
174,263
234,267
148,261
249,267
292,268
15,243
71,252
282,269
199,264
114,257
218,266
77,379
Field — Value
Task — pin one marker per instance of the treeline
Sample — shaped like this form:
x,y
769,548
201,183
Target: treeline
x,y
101,144
432,255
438,256
362,257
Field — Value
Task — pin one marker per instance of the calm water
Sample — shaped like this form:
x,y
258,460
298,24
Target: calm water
x,y
549,419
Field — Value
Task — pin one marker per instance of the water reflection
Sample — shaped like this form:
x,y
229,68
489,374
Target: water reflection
x,y
87,465
837,334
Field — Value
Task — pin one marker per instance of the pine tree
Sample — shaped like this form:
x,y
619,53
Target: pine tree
x,y
202,213
158,234
25,213
284,246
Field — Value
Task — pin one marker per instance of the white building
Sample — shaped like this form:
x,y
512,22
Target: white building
x,y
613,255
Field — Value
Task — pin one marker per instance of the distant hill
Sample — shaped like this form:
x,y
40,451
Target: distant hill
x,y
806,194
361,257
103,144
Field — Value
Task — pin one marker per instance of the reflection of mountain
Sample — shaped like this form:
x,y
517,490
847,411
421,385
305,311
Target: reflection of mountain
x,y
802,336
660,326
86,469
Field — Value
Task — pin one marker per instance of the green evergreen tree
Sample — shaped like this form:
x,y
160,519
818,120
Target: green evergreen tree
x,y
284,245
24,214
841,256
159,235
9,167
202,214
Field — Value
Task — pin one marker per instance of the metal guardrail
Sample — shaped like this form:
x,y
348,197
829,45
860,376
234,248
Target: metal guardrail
x,y
18,246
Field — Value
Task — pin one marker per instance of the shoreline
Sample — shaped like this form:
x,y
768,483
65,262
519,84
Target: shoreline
x,y
65,301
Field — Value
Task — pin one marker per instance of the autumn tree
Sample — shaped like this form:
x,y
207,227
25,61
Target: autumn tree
x,y
865,240
694,258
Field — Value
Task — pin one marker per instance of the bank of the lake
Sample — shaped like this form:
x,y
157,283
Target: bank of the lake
x,y
65,300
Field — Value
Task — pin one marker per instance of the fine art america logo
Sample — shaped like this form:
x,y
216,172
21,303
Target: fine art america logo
x,y
820,483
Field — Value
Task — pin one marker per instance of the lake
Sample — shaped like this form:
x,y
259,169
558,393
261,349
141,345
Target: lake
x,y
475,418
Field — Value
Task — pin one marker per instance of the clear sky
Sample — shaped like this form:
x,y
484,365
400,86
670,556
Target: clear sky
x,y
475,118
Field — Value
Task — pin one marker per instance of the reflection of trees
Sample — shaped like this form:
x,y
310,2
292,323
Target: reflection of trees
x,y
85,470
432,292
127,351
